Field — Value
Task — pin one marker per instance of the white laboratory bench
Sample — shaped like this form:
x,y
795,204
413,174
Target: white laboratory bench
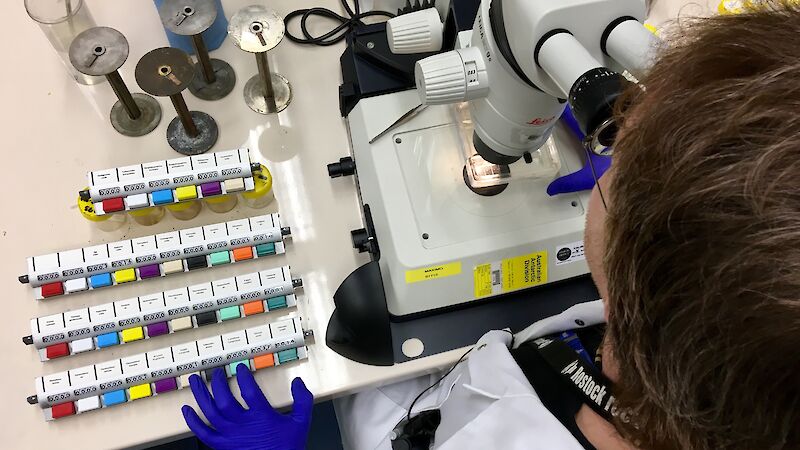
x,y
54,131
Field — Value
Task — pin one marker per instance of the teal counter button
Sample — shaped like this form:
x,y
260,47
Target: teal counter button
x,y
231,312
232,366
287,355
276,303
265,249
220,258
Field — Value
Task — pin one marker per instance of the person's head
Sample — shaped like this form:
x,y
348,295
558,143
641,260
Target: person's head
x,y
698,254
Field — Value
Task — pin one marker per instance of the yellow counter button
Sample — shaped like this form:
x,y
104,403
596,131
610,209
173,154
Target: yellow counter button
x,y
186,193
140,391
132,334
125,275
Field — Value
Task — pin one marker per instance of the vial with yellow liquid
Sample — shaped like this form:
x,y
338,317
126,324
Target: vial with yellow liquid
x,y
148,216
221,203
262,195
185,210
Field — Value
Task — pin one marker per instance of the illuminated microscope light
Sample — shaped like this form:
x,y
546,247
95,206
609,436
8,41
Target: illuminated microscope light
x,y
482,175
485,174
541,164
162,313
167,182
155,256
121,381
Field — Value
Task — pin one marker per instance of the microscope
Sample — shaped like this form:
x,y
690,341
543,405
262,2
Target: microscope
x,y
524,61
453,173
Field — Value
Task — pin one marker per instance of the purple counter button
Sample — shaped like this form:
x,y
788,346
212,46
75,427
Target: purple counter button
x,y
157,329
212,188
149,271
165,385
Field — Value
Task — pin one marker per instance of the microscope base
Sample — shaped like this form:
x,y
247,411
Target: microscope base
x,y
438,247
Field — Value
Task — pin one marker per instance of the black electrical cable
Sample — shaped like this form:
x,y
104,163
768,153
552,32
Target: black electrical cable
x,y
596,179
416,399
460,360
346,24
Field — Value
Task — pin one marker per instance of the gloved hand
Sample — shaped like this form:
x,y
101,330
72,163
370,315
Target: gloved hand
x,y
583,179
237,428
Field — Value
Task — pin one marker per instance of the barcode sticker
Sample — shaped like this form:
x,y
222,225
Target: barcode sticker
x,y
510,274
488,279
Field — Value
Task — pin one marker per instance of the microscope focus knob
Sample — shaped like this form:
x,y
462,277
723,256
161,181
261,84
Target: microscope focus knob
x,y
417,32
452,77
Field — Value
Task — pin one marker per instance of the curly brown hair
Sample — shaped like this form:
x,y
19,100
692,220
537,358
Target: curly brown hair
x,y
703,250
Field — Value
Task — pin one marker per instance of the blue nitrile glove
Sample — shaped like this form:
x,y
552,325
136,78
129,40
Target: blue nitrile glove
x,y
260,426
583,179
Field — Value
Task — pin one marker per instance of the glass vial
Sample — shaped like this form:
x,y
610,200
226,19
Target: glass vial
x,y
148,216
185,210
61,21
221,203
262,195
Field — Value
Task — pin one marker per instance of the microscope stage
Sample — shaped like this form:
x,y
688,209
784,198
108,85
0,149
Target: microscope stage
x,y
447,212
441,244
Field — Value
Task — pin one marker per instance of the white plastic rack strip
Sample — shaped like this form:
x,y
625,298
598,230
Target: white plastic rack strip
x,y
155,256
160,371
170,181
162,313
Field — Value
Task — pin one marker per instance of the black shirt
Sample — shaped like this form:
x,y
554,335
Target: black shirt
x,y
555,394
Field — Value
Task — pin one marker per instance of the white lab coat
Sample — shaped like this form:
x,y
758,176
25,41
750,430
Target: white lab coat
x,y
486,402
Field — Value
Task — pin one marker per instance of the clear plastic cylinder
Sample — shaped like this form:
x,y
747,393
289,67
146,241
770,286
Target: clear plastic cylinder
x,y
106,222
186,210
221,203
262,195
148,216
61,21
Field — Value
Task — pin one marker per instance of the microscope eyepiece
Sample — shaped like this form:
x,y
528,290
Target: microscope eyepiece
x,y
592,99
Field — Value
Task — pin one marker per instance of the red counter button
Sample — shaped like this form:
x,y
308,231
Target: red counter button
x,y
63,410
52,289
58,350
113,204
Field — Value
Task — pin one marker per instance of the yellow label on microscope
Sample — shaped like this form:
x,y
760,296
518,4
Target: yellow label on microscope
x,y
510,274
483,280
432,273
524,271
